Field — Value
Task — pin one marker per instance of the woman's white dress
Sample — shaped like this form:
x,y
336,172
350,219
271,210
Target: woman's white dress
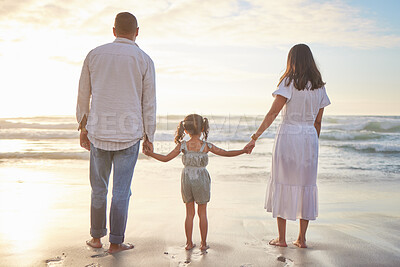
x,y
292,189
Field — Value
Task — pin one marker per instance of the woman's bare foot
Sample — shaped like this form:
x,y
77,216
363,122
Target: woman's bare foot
x,y
300,244
114,248
276,242
204,247
190,246
94,243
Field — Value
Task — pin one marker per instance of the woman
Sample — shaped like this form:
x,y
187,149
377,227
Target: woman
x,y
292,189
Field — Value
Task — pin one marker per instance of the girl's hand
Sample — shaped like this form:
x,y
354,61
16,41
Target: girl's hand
x,y
146,150
250,146
246,150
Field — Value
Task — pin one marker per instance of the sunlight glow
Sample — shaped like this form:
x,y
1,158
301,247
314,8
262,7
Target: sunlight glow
x,y
228,53
24,207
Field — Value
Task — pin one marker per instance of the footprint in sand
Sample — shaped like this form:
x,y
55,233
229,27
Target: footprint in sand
x,y
254,243
93,265
181,258
288,262
56,260
101,255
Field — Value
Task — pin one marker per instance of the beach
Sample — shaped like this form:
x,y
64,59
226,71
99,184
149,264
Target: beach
x,y
45,199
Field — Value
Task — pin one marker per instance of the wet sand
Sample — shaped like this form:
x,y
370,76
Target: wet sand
x,y
44,212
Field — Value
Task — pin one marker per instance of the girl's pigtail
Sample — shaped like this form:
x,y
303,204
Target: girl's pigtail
x,y
206,128
180,133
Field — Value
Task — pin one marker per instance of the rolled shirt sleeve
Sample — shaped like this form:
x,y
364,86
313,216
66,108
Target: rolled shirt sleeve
x,y
149,101
84,93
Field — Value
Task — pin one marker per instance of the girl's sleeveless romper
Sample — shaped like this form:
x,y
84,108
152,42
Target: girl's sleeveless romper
x,y
195,179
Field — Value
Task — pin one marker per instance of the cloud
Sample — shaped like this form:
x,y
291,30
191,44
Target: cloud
x,y
9,7
224,22
67,60
267,23
254,23
210,73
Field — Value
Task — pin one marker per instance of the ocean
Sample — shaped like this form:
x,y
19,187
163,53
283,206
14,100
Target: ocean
x,y
45,197
358,148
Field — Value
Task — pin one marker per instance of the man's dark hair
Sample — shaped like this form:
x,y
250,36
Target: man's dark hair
x,y
125,23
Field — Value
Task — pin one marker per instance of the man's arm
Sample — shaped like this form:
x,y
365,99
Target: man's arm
x,y
82,107
149,102
84,92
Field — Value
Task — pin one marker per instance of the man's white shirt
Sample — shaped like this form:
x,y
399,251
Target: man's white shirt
x,y
117,94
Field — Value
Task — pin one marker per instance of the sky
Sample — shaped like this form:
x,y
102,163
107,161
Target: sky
x,y
211,56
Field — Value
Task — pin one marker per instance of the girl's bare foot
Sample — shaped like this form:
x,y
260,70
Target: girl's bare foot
x,y
94,243
114,248
204,247
190,246
300,244
276,242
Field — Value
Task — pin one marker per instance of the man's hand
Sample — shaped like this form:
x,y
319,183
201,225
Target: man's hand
x,y
84,140
147,146
249,147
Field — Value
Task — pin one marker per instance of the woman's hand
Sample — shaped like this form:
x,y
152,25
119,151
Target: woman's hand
x,y
249,147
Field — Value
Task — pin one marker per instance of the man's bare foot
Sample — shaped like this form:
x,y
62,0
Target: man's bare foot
x,y
190,246
276,242
114,248
204,247
300,244
94,243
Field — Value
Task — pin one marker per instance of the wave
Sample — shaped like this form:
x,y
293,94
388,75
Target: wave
x,y
84,155
39,135
363,124
356,136
372,148
45,155
60,124
162,135
383,127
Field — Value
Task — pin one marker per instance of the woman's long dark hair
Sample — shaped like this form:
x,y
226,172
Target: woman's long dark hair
x,y
194,124
301,69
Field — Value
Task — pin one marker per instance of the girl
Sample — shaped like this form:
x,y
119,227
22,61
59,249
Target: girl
x,y
195,180
292,189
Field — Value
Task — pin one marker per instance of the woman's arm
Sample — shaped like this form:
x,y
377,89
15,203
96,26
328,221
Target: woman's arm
x,y
276,107
317,123
230,153
164,158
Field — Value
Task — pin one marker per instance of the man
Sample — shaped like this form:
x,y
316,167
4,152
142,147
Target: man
x,y
118,83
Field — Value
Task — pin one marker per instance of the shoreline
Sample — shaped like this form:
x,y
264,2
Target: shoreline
x,y
349,230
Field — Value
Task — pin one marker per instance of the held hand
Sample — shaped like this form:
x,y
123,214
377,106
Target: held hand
x,y
84,140
147,148
250,146
146,151
148,145
246,150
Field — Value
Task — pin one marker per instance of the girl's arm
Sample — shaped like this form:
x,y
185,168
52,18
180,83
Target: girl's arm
x,y
164,158
276,107
230,153
317,123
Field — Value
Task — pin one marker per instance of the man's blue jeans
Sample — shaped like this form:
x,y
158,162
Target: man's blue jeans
x,y
100,168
